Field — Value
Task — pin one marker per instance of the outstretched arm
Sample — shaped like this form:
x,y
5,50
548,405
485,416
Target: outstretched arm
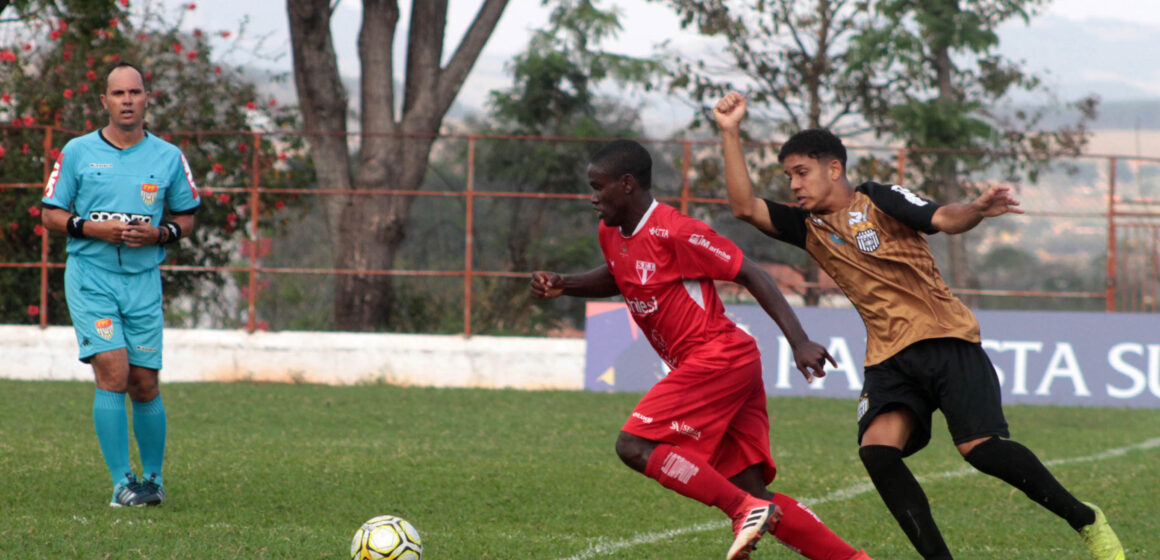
x,y
729,113
959,217
809,356
596,283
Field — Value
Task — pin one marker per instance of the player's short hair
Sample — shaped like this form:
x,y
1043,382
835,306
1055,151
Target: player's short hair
x,y
817,143
625,156
124,64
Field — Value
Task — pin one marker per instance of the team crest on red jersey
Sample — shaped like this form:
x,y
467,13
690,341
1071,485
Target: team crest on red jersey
x,y
148,193
646,270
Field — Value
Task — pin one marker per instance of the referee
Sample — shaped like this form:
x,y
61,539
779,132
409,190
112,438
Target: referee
x,y
108,192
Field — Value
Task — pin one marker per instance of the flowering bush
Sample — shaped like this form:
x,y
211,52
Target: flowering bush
x,y
51,77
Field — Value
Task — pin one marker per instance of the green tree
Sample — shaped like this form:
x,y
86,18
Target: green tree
x,y
555,93
51,76
942,83
791,61
395,139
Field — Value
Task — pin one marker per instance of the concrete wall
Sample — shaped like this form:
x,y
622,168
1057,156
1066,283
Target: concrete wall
x,y
314,357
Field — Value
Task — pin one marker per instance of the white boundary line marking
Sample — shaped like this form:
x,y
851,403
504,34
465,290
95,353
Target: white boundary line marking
x,y
605,547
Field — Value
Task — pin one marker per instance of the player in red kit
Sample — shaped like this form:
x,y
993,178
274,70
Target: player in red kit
x,y
703,430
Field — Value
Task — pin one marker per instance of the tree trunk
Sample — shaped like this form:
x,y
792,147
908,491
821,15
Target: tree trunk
x,y
946,178
367,230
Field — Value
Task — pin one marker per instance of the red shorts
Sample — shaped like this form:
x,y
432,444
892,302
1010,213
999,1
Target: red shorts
x,y
718,415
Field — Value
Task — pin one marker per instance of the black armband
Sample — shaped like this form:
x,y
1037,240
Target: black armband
x,y
76,226
172,233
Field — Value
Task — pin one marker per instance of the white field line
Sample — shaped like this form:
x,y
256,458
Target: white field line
x,y
605,547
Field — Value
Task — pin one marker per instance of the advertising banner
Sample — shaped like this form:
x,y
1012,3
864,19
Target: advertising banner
x,y
1046,357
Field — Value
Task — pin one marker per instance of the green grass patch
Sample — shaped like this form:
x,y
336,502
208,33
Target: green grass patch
x,y
290,471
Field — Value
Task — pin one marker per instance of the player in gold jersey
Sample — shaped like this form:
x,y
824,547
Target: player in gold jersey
x,y
923,351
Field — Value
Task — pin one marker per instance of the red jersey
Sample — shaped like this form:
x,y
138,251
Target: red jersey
x,y
665,271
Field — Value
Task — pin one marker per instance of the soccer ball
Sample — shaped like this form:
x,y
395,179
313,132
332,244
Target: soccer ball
x,y
386,536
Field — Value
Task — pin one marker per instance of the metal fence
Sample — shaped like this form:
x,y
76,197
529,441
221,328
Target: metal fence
x,y
1098,214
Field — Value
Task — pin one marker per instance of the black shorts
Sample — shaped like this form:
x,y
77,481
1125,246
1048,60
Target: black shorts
x,y
950,374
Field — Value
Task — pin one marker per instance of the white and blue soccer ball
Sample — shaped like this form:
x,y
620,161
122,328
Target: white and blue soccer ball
x,y
386,537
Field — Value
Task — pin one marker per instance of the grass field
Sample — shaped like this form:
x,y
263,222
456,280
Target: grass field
x,y
290,471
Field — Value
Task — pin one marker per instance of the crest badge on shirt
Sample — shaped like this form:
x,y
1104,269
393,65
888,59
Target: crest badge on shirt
x,y
105,328
148,193
864,233
645,270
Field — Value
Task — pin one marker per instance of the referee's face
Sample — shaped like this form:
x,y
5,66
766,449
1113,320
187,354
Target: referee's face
x,y
125,98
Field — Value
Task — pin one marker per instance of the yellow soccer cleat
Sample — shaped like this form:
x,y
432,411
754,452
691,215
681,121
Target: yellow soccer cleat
x,y
1100,539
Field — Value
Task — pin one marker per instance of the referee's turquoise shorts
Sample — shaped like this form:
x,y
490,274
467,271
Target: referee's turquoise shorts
x,y
111,311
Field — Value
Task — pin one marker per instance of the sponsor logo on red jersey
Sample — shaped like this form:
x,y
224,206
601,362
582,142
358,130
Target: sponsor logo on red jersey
x,y
701,241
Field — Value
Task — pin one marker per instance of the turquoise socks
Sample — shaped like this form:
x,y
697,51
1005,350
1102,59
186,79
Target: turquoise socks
x,y
149,429
112,432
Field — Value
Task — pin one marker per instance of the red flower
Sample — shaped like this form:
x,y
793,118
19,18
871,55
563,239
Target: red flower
x,y
13,226
54,35
225,34
263,325
27,46
3,151
279,205
191,6
282,156
148,74
68,93
88,124
224,198
251,105
178,47
34,211
113,58
34,310
198,33
217,69
218,168
29,121
242,147
7,56
114,22
38,230
192,55
24,149
142,36
83,87
274,102
125,3
6,97
91,75
53,154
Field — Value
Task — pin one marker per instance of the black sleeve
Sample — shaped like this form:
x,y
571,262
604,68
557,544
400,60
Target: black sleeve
x,y
789,221
184,212
902,205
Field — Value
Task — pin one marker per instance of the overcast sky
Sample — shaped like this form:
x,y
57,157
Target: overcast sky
x,y
1108,47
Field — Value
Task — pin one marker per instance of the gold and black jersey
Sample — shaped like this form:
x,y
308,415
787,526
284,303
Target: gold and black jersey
x,y
876,251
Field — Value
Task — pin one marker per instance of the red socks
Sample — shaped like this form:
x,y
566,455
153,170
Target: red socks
x,y
802,531
694,478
